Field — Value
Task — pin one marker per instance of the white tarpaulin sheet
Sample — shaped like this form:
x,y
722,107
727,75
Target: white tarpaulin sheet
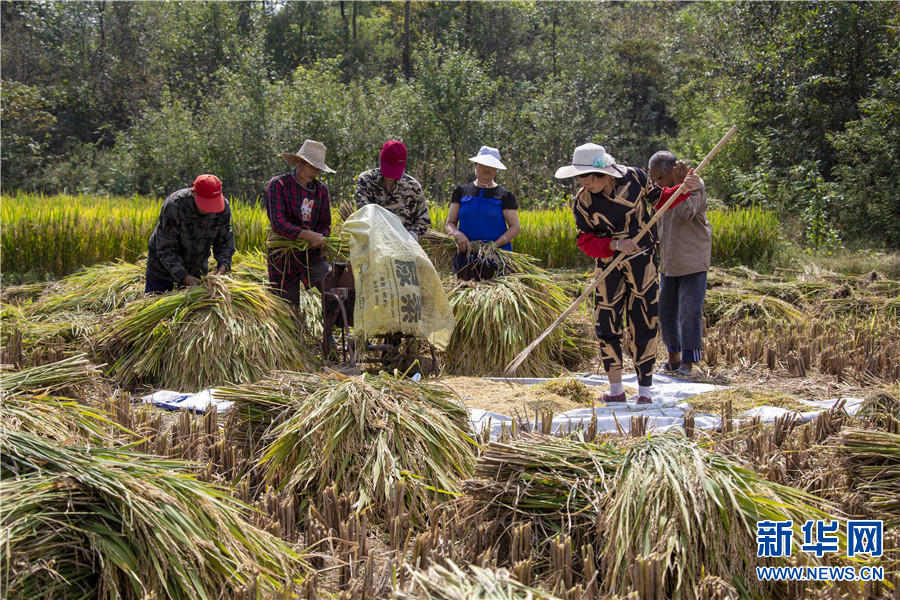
x,y
667,411
200,402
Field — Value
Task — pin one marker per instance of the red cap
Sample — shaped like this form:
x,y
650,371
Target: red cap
x,y
393,159
208,194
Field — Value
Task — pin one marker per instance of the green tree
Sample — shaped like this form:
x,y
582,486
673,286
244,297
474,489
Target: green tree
x,y
27,127
457,92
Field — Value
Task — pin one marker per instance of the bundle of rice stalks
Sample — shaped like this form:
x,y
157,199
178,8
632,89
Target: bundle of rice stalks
x,y
98,289
218,331
873,461
546,480
659,496
250,266
731,304
16,294
59,419
449,582
263,405
882,409
696,510
54,378
29,339
337,245
441,248
496,319
365,433
95,523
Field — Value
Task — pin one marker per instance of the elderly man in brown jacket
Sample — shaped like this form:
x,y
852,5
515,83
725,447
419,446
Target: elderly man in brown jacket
x,y
685,245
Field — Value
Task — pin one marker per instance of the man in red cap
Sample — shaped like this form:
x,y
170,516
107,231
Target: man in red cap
x,y
391,187
191,221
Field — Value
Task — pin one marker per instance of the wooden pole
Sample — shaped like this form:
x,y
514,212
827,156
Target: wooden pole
x,y
511,368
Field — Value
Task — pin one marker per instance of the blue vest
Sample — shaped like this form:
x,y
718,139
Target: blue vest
x,y
481,218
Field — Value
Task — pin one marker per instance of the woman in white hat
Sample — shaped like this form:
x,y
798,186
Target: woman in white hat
x,y
610,209
481,211
298,207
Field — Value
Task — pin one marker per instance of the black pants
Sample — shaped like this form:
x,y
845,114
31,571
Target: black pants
x,y
631,291
157,285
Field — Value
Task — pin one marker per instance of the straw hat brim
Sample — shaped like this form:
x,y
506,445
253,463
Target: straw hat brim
x,y
488,161
291,158
617,171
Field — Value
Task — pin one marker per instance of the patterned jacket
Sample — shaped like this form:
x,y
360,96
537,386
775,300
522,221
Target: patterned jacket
x,y
291,209
405,200
622,215
180,244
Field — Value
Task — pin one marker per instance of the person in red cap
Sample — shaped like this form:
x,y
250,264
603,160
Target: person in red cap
x,y
191,221
391,187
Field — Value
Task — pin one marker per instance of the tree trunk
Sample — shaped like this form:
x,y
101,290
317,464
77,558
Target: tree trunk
x,y
407,66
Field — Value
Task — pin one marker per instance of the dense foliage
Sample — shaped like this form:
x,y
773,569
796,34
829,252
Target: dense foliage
x,y
139,97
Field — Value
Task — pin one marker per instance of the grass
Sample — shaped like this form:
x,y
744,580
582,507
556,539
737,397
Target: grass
x,y
744,236
62,234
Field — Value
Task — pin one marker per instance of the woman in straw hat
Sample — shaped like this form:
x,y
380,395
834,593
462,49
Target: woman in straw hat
x,y
610,209
299,208
481,211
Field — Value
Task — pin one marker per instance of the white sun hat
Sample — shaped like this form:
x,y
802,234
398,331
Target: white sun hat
x,y
591,158
489,157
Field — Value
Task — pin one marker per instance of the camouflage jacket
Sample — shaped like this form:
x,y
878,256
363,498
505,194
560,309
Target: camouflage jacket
x,y
405,200
180,244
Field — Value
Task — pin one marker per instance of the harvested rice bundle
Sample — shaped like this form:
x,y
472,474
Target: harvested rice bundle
x,y
260,406
98,289
338,245
495,319
440,248
17,294
662,496
882,409
364,433
54,378
546,480
60,419
29,340
729,304
449,582
252,267
873,461
696,510
219,331
95,523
